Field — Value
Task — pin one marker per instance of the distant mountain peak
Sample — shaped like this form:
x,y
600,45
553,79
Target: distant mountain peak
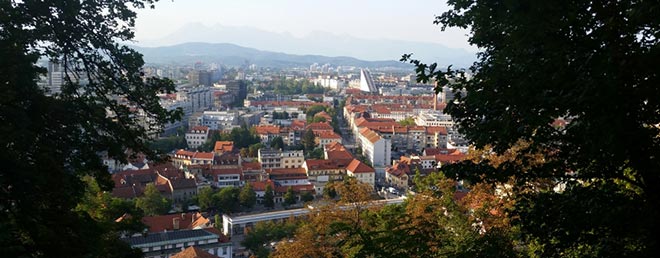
x,y
316,42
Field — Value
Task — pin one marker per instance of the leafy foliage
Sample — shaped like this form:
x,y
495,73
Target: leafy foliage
x,y
292,87
408,121
258,240
289,197
277,143
269,202
51,140
247,197
588,63
309,140
153,203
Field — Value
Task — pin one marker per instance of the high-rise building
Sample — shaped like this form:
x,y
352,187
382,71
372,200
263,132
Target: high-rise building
x,y
366,82
55,77
238,89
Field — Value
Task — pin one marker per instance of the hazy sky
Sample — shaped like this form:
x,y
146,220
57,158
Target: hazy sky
x,y
410,20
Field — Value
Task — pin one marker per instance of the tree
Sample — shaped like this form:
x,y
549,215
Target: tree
x,y
247,197
309,140
317,119
257,240
594,69
253,150
269,202
306,197
153,203
205,198
409,121
52,139
227,200
313,110
289,197
277,143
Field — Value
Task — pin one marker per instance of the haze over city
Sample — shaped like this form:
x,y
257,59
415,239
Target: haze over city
x,y
408,24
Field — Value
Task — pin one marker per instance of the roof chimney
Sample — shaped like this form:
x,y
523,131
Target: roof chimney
x,y
175,223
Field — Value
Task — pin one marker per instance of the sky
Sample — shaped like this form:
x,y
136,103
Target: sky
x,y
410,20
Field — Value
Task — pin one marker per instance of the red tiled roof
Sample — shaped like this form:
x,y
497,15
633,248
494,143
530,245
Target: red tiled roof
x,y
372,136
261,185
251,166
436,129
357,166
316,164
223,146
326,134
320,126
297,124
193,252
267,129
188,220
199,128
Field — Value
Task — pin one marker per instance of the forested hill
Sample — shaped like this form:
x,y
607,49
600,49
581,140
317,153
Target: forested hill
x,y
231,54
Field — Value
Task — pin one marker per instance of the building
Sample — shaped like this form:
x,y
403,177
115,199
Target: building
x,y
326,137
226,177
239,89
362,172
172,222
375,148
271,158
194,252
187,158
169,243
218,120
436,118
197,136
55,77
221,147
366,82
321,171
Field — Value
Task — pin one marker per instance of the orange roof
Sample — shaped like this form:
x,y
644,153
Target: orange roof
x,y
194,155
298,124
199,128
261,185
267,129
193,252
320,126
223,146
357,166
316,164
324,115
327,134
251,165
188,220
372,136
286,171
436,129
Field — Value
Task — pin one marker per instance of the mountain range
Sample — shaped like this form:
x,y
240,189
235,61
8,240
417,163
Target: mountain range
x,y
234,55
237,44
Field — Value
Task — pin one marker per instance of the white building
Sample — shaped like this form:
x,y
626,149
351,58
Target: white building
x,y
197,136
270,158
362,172
366,82
435,118
218,120
377,149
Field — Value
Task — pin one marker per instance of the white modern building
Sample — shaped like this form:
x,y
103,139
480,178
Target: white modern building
x,y
377,149
218,120
366,82
434,118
